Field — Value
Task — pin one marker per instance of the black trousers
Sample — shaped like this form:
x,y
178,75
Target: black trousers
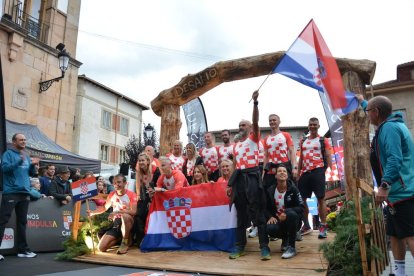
x,y
20,204
287,228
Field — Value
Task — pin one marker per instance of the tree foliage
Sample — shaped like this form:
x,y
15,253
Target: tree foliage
x,y
133,148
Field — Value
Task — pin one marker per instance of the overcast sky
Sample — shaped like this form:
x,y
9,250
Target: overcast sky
x,y
140,48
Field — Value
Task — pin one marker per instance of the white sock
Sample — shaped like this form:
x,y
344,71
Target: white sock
x,y
399,267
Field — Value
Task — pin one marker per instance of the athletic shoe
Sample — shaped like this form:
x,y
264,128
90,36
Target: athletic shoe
x,y
305,230
253,233
238,252
299,236
123,248
285,245
26,254
265,253
1,258
323,231
289,253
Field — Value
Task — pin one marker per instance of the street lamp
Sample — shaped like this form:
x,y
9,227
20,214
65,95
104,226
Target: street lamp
x,y
148,131
63,57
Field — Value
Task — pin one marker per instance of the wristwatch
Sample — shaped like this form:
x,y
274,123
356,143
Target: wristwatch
x,y
384,185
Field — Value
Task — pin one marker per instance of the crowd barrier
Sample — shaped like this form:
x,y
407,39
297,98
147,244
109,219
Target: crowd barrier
x,y
48,225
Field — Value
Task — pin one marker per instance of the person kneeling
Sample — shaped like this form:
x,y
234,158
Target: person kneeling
x,y
124,205
284,212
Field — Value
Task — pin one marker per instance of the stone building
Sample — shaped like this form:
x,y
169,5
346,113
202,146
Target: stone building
x,y
30,30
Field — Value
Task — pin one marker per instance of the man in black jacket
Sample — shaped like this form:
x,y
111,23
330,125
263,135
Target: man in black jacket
x,y
60,187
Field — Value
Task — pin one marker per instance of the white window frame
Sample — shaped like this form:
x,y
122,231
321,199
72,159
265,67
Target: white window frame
x,y
103,124
102,157
123,131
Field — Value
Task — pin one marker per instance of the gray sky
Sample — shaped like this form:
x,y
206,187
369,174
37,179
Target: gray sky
x,y
140,48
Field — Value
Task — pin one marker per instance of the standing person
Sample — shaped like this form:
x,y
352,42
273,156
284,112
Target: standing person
x,y
17,166
392,161
279,149
170,179
192,159
315,157
60,187
200,175
246,185
176,156
46,179
124,208
284,211
225,151
151,153
226,170
210,157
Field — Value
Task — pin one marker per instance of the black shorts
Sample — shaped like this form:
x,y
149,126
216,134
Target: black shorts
x,y
400,219
115,231
312,181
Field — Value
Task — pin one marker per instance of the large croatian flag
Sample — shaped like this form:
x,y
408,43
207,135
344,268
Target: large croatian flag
x,y
191,218
84,188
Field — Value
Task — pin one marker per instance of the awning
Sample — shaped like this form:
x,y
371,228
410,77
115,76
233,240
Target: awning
x,y
39,145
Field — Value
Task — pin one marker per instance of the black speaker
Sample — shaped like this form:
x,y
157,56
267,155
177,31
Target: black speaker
x,y
124,169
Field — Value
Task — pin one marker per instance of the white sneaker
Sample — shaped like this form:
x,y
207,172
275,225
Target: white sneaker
x,y
1,258
253,233
27,254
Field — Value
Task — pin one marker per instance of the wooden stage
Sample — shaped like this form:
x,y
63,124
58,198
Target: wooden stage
x,y
309,260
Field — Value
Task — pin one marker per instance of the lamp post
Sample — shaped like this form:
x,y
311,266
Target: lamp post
x,y
148,133
63,57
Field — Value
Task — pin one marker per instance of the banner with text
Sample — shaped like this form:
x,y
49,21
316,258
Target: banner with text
x,y
196,121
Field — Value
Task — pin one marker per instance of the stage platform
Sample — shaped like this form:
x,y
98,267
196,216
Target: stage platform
x,y
309,260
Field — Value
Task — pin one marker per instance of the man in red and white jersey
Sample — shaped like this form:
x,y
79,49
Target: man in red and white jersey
x,y
246,186
176,156
225,151
210,157
315,157
279,149
170,179
124,205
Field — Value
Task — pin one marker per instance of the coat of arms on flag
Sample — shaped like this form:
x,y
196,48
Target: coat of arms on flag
x,y
178,216
84,188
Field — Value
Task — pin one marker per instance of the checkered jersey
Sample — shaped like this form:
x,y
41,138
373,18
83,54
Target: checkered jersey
x,y
311,154
190,167
247,152
225,151
175,181
210,158
176,162
261,152
122,202
277,147
279,201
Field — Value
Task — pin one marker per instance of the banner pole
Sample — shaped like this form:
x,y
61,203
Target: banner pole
x,y
90,225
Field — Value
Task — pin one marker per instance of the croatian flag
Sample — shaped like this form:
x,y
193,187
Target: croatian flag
x,y
310,62
191,218
84,188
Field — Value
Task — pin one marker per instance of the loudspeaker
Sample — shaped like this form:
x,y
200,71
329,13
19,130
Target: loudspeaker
x,y
124,169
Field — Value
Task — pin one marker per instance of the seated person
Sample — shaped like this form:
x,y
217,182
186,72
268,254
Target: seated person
x,y
35,189
124,208
200,175
170,179
284,212
60,187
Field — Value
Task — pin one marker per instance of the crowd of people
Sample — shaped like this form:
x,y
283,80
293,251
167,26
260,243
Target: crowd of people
x,y
266,182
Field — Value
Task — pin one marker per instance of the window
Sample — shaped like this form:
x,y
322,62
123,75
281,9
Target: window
x,y
62,5
124,126
106,119
104,153
122,156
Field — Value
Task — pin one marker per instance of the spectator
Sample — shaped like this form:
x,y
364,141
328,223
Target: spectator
x,y
200,175
60,187
35,189
192,160
110,186
46,180
124,208
101,187
16,166
170,179
284,212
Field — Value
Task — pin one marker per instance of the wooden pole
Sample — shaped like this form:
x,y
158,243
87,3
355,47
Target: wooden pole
x,y
76,217
90,224
170,127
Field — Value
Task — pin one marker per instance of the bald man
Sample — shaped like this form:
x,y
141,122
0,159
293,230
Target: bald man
x,y
392,161
245,186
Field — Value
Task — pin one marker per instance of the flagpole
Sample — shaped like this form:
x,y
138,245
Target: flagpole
x,y
90,225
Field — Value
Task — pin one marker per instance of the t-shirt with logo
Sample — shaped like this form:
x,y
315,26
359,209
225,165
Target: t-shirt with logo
x,y
177,162
175,181
277,148
224,151
210,159
312,157
246,153
279,201
122,202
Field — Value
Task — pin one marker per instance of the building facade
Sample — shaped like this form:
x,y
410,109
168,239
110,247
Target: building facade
x,y
29,32
104,122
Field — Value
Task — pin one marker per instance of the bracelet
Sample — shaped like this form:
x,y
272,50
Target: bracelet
x,y
256,102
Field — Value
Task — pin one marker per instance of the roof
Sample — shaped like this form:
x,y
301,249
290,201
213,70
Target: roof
x,y
391,84
94,82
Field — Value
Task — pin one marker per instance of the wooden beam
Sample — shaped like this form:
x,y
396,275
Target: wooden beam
x,y
365,186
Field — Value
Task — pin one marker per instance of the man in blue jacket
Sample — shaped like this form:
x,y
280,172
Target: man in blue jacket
x,y
392,160
16,166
